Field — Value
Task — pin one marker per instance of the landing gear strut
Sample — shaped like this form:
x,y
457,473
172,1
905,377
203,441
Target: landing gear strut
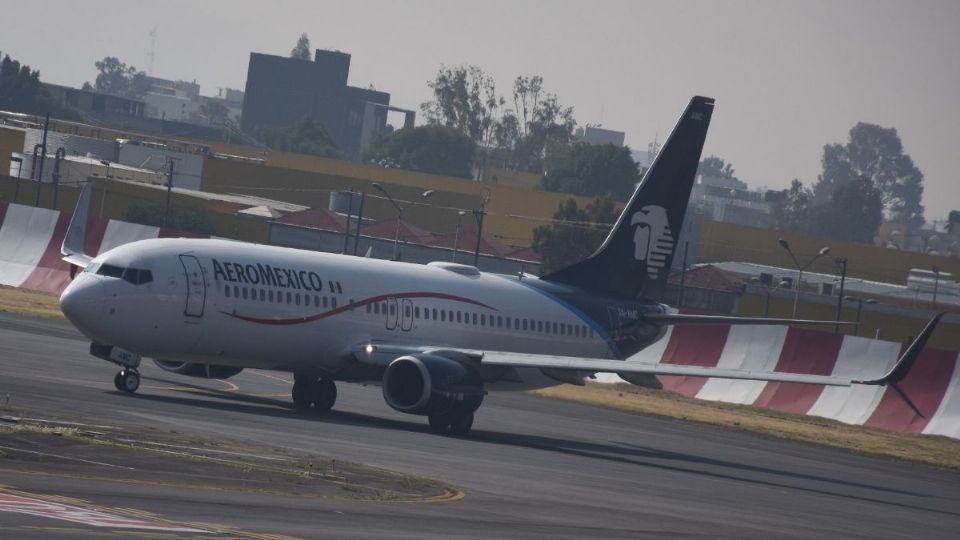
x,y
312,391
459,424
127,380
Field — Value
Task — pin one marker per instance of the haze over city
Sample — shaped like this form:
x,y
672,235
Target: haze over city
x,y
788,77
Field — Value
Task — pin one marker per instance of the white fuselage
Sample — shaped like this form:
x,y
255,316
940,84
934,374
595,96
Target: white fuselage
x,y
254,306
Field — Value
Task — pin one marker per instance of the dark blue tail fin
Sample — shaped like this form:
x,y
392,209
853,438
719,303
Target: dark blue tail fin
x,y
635,258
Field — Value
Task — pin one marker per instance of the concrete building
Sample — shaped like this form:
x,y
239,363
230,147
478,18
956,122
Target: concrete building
x,y
729,200
281,91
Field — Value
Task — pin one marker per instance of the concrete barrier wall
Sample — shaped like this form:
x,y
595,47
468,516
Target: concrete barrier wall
x,y
30,240
933,385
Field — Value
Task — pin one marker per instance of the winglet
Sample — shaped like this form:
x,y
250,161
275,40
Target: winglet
x,y
72,247
900,370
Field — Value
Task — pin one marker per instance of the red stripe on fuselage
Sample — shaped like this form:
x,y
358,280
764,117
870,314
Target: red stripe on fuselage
x,y
360,303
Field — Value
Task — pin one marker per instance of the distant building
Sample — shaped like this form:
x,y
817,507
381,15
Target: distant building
x,y
728,199
597,136
281,91
91,103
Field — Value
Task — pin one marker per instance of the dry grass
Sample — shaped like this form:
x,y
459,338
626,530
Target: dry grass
x,y
25,302
929,449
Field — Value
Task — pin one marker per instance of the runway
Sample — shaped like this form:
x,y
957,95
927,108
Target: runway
x,y
532,468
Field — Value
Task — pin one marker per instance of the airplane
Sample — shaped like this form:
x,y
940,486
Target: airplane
x,y
437,337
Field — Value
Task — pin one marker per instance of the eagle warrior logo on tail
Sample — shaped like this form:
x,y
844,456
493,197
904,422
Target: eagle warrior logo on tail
x,y
652,238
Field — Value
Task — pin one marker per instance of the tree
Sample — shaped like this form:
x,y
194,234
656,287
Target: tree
x,y
537,128
793,208
215,112
593,170
876,153
119,79
464,98
853,213
575,233
716,167
22,91
302,50
307,136
433,149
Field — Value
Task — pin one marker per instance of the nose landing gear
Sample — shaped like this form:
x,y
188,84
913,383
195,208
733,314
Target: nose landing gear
x,y
308,391
127,380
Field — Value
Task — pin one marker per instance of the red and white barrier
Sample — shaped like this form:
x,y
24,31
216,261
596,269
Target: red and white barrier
x,y
30,240
933,384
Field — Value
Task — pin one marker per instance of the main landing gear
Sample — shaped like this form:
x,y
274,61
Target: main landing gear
x,y
309,390
458,424
127,380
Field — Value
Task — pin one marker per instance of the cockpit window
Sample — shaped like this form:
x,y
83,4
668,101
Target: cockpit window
x,y
110,270
136,276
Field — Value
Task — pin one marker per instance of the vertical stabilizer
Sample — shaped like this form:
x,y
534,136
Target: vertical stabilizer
x,y
635,258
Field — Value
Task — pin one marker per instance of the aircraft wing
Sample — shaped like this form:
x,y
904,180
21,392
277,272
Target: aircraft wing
x,y
682,318
384,353
72,248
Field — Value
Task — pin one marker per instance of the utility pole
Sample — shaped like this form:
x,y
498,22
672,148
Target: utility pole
x,y
43,157
478,215
356,240
346,230
936,283
166,211
58,159
842,262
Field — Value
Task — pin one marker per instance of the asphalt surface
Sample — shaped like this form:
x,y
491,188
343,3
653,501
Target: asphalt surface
x,y
532,468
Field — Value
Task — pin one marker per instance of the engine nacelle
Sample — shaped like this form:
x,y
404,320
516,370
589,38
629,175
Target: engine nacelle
x,y
428,384
646,380
205,371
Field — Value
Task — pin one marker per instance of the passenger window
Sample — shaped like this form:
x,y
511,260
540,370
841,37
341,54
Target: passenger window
x,y
483,320
539,326
434,313
324,301
474,317
443,315
244,293
459,316
555,329
406,312
263,295
416,312
369,309
226,291
289,297
333,302
270,296
524,324
499,321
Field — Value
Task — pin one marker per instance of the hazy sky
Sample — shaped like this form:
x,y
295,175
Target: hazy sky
x,y
788,77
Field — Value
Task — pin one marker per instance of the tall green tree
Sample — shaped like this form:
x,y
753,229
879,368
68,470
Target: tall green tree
x,y
118,79
574,234
433,149
853,213
307,136
714,166
464,98
793,209
302,50
876,153
537,128
593,170
22,91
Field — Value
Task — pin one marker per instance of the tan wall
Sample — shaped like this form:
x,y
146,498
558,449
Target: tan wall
x,y
11,140
513,212
721,242
892,327
111,200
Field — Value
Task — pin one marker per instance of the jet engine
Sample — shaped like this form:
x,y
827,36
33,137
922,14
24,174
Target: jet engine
x,y
206,371
428,384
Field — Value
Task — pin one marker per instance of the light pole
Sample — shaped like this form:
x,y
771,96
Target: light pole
x,y
842,263
456,236
936,283
479,214
800,268
103,197
400,209
860,302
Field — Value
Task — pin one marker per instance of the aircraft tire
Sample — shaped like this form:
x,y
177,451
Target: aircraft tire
x,y
302,394
439,423
461,424
127,381
325,394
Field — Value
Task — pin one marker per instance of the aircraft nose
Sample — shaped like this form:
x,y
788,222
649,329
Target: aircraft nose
x,y
82,302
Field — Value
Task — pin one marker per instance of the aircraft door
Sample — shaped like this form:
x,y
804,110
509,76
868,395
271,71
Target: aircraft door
x,y
196,286
406,315
393,313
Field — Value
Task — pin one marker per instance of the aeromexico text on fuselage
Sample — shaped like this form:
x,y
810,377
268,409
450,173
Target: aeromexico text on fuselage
x,y
274,276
